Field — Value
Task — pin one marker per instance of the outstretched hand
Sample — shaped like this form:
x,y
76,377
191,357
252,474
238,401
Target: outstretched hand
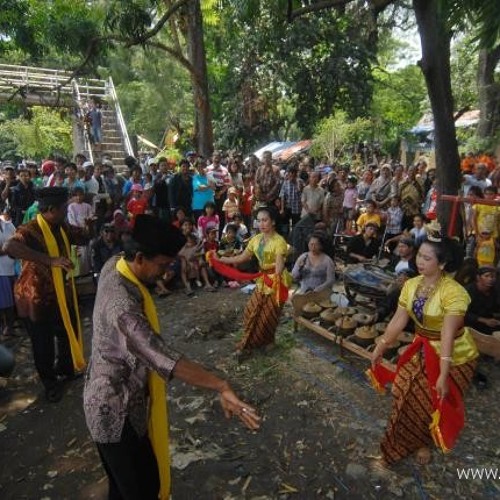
x,y
232,405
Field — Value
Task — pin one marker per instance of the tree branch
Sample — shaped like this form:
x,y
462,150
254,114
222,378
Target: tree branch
x,y
162,21
175,54
377,5
315,7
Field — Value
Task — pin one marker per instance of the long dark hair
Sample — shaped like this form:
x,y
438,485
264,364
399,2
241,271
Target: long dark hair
x,y
270,210
448,252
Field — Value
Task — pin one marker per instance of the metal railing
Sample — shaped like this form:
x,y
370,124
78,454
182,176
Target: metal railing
x,y
81,111
27,80
119,116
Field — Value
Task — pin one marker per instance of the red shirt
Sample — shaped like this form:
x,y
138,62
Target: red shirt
x,y
246,203
136,207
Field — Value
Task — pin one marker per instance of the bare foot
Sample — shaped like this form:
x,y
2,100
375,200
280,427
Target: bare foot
x,y
423,456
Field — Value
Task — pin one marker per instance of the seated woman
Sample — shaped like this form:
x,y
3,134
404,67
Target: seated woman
x,y
314,269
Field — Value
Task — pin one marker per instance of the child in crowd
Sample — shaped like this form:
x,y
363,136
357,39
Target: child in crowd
x,y
246,200
79,212
242,233
79,215
137,204
485,254
486,216
349,203
208,221
187,228
193,267
231,205
210,244
180,217
394,220
370,216
229,244
120,223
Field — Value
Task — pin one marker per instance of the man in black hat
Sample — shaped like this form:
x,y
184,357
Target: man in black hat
x,y
128,352
49,309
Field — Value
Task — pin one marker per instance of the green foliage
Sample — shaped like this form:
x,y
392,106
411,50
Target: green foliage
x,y
154,92
469,141
274,79
336,134
43,133
464,61
56,32
482,15
399,100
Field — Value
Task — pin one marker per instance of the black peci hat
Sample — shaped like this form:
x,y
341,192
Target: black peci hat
x,y
157,237
51,196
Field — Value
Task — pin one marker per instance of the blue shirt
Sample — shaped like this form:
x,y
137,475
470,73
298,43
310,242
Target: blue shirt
x,y
201,197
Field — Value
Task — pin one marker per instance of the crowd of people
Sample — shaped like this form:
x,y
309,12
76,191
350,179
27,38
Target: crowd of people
x,y
209,223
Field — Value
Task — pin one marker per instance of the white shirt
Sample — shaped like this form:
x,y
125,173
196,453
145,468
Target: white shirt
x,y
472,180
92,186
7,229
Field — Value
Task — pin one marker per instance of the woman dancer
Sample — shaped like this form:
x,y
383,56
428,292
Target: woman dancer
x,y
263,310
435,370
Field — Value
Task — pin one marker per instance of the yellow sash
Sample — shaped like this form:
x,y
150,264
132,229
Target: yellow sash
x,y
75,339
158,415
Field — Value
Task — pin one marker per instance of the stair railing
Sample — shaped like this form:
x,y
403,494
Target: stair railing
x,y
86,137
121,122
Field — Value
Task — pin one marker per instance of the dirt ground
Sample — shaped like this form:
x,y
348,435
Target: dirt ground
x,y
321,423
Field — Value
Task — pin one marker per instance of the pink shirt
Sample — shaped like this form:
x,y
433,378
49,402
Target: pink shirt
x,y
205,223
350,197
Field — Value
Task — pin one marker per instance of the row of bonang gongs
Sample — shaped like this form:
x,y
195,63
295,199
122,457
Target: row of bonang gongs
x,y
358,327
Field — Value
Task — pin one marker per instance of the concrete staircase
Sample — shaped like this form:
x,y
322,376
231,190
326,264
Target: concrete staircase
x,y
115,140
56,88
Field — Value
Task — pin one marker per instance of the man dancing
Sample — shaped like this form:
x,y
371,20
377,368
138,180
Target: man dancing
x,y
125,391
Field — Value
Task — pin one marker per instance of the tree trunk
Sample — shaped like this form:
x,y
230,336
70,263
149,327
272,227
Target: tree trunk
x,y
203,131
489,93
435,65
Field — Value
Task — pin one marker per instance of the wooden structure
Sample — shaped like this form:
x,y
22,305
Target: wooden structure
x,y
298,301
486,344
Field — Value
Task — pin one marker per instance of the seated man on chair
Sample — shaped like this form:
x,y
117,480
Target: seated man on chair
x,y
484,302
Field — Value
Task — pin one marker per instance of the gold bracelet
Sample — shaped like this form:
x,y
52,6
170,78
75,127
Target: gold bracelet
x,y
447,358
